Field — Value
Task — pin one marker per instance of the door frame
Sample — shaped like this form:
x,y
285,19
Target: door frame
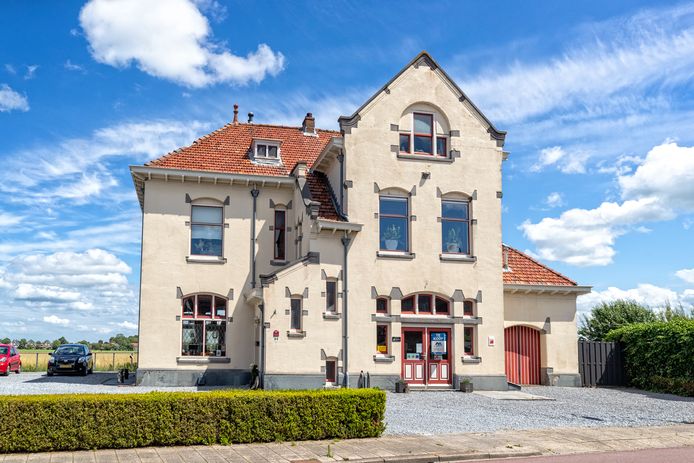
x,y
414,365
409,367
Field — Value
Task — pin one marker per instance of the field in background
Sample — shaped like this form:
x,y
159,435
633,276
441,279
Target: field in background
x,y
104,360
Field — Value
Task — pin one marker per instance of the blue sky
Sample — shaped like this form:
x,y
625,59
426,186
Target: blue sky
x,y
597,99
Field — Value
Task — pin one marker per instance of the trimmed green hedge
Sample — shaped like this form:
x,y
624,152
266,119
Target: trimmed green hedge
x,y
94,421
659,355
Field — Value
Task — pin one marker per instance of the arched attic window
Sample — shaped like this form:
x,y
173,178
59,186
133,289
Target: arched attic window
x,y
424,130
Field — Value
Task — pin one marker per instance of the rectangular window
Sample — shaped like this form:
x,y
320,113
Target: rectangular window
x,y
424,303
204,306
189,307
215,345
266,151
468,308
404,142
393,224
382,305
295,314
331,296
192,337
441,306
206,231
455,227
382,339
407,304
280,227
220,307
468,341
423,133
441,146
331,371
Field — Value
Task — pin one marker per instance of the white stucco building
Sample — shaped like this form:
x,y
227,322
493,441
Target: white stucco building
x,y
319,255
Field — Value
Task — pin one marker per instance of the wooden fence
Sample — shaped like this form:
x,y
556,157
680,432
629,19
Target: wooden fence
x,y
601,363
103,360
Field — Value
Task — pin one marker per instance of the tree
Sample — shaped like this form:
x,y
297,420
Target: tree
x,y
5,341
608,316
677,313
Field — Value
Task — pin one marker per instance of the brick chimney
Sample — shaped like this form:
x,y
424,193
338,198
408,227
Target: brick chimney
x,y
309,124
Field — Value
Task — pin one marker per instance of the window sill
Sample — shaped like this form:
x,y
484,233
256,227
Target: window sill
x,y
191,360
206,259
278,263
384,358
425,157
296,334
331,316
395,255
446,257
471,359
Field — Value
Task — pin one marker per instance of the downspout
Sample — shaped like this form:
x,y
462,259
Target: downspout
x,y
261,368
254,193
345,325
341,159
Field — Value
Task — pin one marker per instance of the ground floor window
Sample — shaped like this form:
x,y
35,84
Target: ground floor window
x,y
295,314
382,339
204,338
468,341
331,371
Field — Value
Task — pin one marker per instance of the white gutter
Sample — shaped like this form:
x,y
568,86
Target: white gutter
x,y
333,225
547,289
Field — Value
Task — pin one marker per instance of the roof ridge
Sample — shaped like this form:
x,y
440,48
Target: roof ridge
x,y
539,263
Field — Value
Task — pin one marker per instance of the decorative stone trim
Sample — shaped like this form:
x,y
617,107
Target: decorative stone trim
x,y
201,360
278,263
471,359
296,334
382,318
331,316
457,258
380,358
395,255
423,157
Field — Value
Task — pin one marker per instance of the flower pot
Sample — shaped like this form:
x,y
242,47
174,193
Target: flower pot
x,y
465,387
401,387
391,245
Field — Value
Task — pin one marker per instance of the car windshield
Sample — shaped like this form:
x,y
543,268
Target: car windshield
x,y
3,350
70,350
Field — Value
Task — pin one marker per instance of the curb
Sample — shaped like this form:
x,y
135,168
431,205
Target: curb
x,y
449,457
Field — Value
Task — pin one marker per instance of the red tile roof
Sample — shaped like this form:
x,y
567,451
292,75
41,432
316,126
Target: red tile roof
x,y
524,270
226,150
320,191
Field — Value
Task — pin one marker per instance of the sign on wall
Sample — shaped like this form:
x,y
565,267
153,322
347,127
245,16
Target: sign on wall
x,y
438,343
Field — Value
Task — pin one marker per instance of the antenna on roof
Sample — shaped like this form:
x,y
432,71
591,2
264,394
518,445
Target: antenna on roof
x,y
236,113
250,118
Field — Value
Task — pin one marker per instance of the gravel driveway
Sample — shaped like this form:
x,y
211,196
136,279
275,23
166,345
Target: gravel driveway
x,y
444,411
451,412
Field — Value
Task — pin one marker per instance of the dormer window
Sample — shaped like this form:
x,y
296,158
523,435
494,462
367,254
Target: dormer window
x,y
266,151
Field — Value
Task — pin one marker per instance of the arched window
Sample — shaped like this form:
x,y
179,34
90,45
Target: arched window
x,y
382,305
425,304
204,325
424,131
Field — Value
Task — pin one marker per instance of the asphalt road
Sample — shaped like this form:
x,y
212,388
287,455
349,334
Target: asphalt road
x,y
672,455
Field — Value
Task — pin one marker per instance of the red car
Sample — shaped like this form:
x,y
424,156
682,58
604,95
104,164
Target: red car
x,y
10,359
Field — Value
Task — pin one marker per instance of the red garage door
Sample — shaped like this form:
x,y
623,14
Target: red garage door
x,y
522,354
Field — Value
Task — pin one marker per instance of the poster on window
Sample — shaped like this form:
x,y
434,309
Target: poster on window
x,y
438,343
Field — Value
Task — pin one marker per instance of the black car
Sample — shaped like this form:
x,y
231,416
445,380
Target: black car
x,y
71,358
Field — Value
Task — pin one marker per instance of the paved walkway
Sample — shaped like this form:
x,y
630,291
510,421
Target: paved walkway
x,y
446,447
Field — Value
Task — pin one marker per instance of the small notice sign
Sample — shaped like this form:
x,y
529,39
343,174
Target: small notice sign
x,y
396,339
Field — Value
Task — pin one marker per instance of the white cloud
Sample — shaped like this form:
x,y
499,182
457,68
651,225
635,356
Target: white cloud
x,y
55,320
31,72
548,157
127,325
56,294
659,189
170,39
554,199
7,219
647,294
11,100
627,54
686,274
70,66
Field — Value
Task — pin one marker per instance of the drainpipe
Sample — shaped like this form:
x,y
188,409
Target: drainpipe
x,y
345,298
341,158
261,368
254,193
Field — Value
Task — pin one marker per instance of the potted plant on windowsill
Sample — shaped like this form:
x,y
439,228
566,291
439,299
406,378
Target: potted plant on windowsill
x,y
453,241
465,385
401,386
391,236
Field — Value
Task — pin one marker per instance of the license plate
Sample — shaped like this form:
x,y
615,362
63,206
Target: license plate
x,y
65,366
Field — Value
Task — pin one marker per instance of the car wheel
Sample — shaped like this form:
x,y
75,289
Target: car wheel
x,y
91,370
19,369
84,371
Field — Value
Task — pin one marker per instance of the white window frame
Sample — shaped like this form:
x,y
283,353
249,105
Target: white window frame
x,y
267,144
435,136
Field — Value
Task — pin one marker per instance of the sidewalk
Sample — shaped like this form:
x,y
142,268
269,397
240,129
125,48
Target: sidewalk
x,y
447,447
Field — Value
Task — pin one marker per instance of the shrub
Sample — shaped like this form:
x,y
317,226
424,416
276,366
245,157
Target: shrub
x,y
659,355
608,316
94,421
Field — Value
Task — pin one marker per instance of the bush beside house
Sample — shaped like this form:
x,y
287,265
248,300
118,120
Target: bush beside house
x,y
74,422
659,355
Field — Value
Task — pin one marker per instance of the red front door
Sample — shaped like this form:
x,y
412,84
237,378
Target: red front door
x,y
426,354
